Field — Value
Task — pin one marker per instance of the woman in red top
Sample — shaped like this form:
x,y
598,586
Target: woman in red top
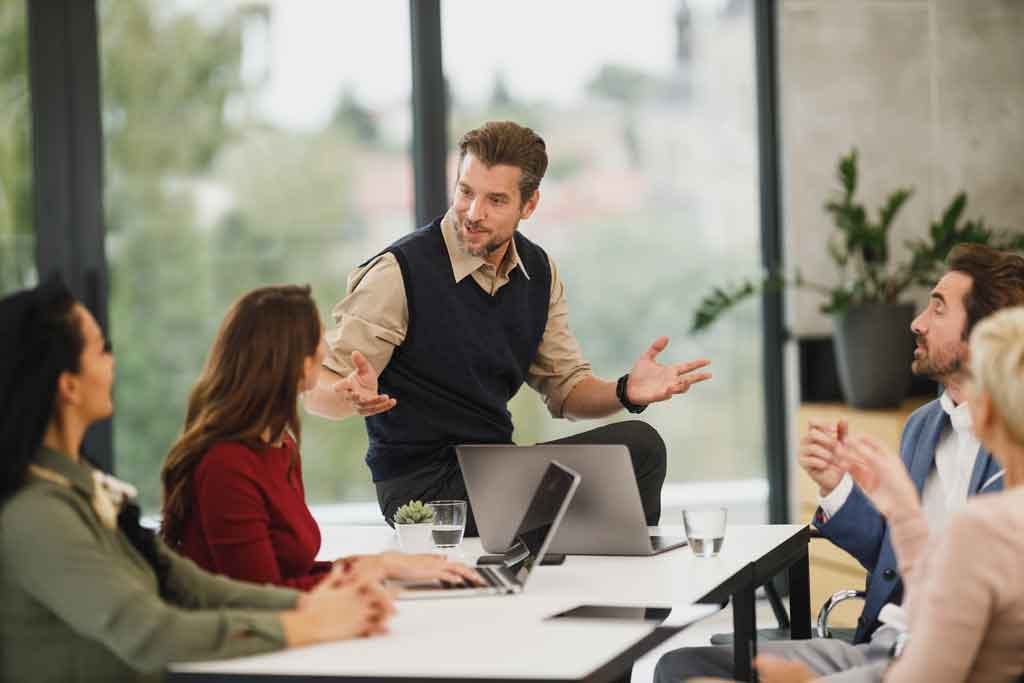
x,y
233,495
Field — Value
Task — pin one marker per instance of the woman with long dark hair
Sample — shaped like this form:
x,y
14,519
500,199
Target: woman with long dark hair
x,y
233,494
85,592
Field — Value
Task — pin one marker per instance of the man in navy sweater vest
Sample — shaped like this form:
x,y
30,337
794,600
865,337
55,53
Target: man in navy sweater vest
x,y
439,331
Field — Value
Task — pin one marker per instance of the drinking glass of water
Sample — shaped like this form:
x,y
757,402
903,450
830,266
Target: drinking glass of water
x,y
449,523
705,530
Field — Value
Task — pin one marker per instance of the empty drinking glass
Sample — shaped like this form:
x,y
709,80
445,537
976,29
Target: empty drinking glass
x,y
449,523
705,530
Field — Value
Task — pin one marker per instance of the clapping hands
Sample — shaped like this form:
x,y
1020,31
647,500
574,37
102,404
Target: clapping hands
x,y
881,476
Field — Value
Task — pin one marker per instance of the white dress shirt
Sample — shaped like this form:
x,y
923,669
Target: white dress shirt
x,y
945,488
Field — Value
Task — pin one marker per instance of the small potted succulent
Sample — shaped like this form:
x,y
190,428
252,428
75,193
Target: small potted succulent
x,y
414,523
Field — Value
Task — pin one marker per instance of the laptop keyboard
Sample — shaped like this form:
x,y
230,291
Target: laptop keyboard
x,y
490,577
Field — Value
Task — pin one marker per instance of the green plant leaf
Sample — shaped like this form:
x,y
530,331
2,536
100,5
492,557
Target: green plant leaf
x,y
414,512
718,302
861,250
848,172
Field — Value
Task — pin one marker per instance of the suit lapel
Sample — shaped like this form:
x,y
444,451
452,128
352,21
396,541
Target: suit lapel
x,y
924,455
985,467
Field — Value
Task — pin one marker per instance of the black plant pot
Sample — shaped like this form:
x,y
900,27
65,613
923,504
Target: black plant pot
x,y
874,349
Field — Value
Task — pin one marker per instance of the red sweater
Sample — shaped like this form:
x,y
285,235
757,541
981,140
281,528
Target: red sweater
x,y
248,519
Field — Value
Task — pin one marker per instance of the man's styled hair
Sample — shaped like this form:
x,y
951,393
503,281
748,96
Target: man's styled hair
x,y
509,144
997,280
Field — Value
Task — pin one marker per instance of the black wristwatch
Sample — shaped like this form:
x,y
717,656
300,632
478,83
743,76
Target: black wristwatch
x,y
620,392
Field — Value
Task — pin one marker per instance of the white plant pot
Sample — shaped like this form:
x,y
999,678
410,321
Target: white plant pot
x,y
415,538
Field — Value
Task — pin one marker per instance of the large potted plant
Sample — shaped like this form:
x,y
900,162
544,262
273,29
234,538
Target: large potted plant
x,y
871,319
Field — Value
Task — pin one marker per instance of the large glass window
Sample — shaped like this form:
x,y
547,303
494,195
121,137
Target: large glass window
x,y
17,239
246,144
649,113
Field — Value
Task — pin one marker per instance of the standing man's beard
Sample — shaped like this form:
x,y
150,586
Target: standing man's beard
x,y
933,369
483,251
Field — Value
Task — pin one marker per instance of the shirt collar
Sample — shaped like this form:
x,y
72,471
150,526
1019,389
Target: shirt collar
x,y
78,473
959,416
464,264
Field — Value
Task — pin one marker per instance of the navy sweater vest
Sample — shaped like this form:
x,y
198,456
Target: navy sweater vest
x,y
465,355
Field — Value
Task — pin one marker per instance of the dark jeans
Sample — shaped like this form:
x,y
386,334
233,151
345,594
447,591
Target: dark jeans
x,y
444,482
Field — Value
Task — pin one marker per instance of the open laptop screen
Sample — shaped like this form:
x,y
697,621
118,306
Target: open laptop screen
x,y
546,508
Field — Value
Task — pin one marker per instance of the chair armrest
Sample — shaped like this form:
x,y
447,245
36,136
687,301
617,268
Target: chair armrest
x,y
831,604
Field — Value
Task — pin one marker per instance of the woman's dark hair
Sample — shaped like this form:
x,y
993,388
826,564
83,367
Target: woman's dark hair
x,y
42,337
249,384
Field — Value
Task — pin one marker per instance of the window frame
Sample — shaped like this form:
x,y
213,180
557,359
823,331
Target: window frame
x,y
67,138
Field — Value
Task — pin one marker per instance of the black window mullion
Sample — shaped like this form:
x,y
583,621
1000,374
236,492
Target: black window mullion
x,y
67,147
772,311
429,110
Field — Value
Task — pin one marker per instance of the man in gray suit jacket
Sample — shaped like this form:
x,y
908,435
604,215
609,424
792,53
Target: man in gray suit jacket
x,y
937,446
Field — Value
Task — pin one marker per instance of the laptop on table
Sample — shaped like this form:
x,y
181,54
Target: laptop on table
x,y
606,516
526,547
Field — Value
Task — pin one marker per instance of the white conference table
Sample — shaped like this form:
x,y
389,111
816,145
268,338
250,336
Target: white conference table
x,y
505,638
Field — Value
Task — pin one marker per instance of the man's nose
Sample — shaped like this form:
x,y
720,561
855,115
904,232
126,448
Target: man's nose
x,y
917,326
476,209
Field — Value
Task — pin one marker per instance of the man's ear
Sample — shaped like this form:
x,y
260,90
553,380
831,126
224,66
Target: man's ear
x,y
530,206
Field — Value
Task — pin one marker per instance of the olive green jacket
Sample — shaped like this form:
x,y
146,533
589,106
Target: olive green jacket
x,y
79,603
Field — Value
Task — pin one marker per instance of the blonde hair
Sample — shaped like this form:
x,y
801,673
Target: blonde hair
x,y
997,364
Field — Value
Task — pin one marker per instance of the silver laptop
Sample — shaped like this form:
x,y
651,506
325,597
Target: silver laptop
x,y
605,518
551,495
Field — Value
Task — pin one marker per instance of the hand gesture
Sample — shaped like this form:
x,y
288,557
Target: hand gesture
x,y
817,453
424,568
650,382
881,476
339,608
360,387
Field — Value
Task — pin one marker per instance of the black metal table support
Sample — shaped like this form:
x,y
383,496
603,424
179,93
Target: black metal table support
x,y
800,598
791,557
744,628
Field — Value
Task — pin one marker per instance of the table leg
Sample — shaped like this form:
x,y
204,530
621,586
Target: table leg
x,y
744,628
800,598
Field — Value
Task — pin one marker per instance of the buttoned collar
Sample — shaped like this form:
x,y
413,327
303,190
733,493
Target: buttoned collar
x,y
464,264
959,415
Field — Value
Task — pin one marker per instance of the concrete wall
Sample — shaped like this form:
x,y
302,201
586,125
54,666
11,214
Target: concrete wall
x,y
931,92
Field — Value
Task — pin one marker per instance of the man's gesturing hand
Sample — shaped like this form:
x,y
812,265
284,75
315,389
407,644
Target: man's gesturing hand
x,y
650,382
360,387
817,453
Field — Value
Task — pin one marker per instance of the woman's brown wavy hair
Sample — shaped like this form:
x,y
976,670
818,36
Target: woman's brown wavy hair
x,y
249,385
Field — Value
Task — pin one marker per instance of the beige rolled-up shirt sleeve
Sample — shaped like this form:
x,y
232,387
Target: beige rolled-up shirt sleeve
x,y
373,318
559,364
